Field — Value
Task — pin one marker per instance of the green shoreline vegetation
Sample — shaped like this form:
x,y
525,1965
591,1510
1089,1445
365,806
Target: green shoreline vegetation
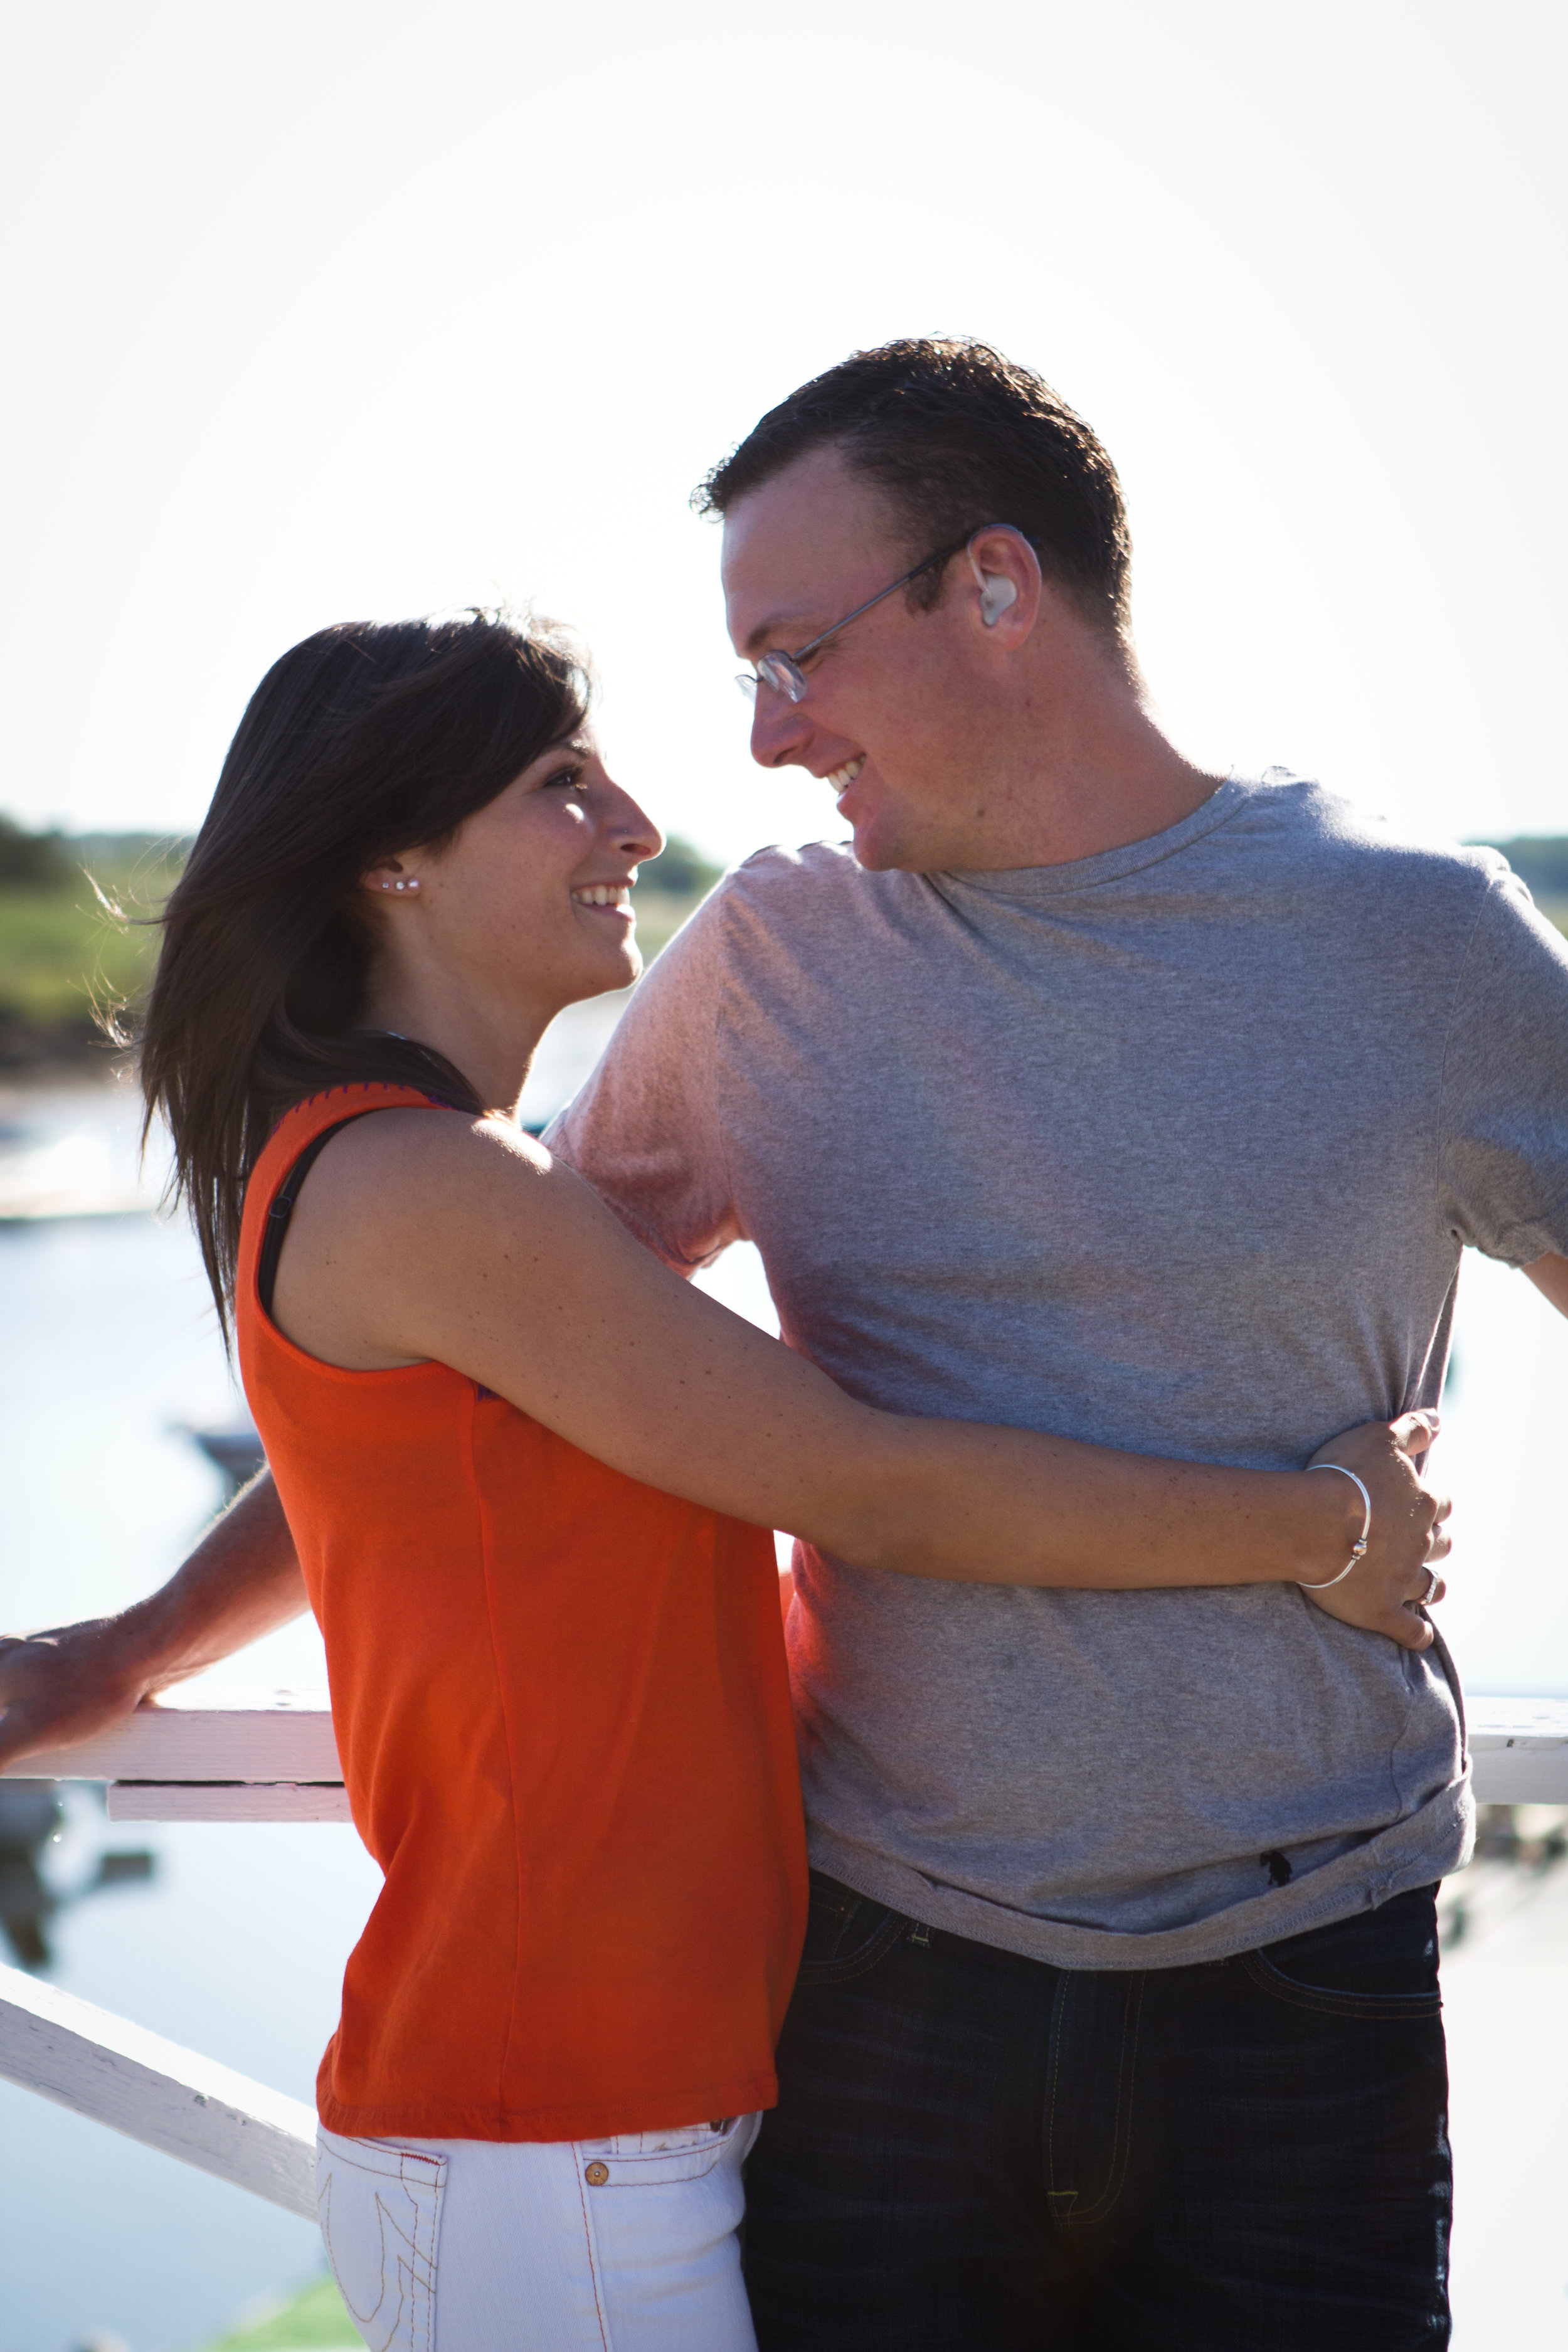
x,y
79,932
314,2320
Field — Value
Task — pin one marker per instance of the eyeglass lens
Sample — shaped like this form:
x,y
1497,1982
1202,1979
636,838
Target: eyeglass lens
x,y
777,670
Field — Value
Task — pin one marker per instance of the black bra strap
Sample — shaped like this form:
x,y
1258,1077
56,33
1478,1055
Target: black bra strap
x,y
282,1208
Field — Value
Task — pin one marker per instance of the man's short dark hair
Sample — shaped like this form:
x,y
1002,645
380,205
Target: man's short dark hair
x,y
955,436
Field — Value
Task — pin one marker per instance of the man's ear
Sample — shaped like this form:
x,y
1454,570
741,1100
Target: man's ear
x,y
1005,573
996,593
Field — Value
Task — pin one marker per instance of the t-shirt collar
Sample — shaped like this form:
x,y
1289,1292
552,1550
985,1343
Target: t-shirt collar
x,y
1111,864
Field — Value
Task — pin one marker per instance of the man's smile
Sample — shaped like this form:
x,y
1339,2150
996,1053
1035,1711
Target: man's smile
x,y
617,895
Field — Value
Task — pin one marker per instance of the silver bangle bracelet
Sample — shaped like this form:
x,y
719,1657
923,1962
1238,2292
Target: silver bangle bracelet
x,y
1358,1549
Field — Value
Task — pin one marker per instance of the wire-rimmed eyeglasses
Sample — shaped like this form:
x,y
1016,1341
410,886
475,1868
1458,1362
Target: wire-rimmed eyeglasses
x,y
782,671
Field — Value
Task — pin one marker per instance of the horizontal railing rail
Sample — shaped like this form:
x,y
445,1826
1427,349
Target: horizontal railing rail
x,y
270,1756
118,2074
212,1755
1519,1750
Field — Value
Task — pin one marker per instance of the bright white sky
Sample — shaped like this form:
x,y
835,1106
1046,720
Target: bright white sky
x,y
321,309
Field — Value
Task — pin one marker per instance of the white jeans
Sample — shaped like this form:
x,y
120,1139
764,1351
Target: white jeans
x,y
603,2245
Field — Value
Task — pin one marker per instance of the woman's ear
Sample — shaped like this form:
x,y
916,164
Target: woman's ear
x,y
390,877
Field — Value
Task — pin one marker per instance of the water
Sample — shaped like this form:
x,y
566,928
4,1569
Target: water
x,y
236,1944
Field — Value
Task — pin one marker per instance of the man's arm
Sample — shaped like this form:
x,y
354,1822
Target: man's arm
x,y
644,1128
1550,1275
72,1682
1502,1162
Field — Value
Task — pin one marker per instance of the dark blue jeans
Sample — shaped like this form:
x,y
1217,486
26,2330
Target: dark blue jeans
x,y
975,2152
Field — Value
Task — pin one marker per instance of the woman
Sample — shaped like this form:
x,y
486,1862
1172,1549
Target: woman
x,y
530,1476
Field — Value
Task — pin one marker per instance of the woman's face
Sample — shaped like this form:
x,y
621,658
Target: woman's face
x,y
528,904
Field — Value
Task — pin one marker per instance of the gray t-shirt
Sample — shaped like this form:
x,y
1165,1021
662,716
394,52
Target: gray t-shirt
x,y
1175,1149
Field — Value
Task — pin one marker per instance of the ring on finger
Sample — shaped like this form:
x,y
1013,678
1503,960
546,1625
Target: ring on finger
x,y
1435,1577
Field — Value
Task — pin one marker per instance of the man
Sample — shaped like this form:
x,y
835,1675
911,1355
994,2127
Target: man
x,y
1095,1094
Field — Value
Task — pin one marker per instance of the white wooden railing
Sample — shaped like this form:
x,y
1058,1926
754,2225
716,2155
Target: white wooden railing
x,y
270,1756
153,2090
211,1755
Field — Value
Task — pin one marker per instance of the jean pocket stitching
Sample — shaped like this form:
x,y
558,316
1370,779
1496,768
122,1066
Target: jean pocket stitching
x,y
413,2256
877,1947
837,1907
1392,2006
363,2320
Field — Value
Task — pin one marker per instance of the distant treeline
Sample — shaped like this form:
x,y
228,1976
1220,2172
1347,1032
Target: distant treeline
x,y
63,951
1540,860
56,860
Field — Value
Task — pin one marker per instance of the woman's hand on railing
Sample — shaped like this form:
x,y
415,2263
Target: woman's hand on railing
x,y
75,1682
1386,1591
65,1685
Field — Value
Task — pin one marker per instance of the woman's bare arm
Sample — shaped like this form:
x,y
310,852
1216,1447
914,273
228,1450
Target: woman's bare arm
x,y
419,1234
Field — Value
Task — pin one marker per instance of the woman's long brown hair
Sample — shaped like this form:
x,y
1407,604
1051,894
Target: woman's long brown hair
x,y
364,741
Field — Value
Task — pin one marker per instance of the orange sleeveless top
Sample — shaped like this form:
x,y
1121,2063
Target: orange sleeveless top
x,y
562,1709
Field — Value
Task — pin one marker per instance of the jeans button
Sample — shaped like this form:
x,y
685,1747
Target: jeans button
x,y
597,2175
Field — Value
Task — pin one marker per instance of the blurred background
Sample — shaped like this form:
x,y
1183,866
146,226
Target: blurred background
x,y
331,311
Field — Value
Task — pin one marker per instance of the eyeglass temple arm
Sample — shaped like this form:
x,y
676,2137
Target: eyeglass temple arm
x,y
942,555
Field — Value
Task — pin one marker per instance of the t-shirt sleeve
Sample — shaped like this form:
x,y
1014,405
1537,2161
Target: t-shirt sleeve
x,y
644,1130
1503,1164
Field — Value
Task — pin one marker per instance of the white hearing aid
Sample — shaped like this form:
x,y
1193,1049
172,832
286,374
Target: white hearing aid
x,y
996,592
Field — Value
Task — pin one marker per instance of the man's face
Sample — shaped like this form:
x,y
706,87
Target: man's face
x,y
889,717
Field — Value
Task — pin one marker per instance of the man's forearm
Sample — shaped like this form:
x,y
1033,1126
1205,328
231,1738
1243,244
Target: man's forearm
x,y
70,1682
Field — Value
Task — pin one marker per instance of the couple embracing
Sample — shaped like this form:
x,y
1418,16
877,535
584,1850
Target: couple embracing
x,y
1110,1132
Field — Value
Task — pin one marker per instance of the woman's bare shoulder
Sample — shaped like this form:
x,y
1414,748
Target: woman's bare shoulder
x,y
410,1203
393,1162
440,1180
